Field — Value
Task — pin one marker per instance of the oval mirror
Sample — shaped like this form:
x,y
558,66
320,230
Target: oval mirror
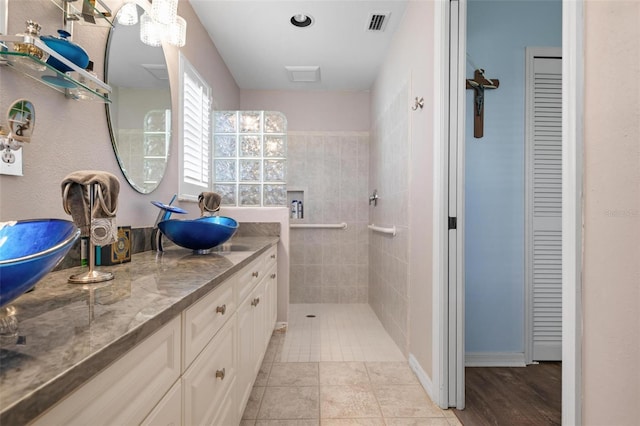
x,y
139,114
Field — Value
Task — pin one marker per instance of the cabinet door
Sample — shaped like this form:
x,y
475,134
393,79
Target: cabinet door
x,y
168,412
259,316
271,302
227,412
204,318
126,391
246,351
211,376
251,348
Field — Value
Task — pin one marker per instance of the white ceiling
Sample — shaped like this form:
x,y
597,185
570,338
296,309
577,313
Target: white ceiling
x,y
256,40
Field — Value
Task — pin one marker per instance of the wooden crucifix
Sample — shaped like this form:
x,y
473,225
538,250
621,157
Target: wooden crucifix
x,y
479,84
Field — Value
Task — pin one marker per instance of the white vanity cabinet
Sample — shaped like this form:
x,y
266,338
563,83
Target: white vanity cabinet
x,y
226,336
126,391
198,369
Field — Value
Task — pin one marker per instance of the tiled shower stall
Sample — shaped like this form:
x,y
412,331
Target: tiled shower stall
x,y
331,171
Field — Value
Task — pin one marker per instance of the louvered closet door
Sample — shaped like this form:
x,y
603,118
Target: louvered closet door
x,y
545,209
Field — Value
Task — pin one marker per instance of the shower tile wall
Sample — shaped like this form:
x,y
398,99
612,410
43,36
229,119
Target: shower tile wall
x,y
330,265
389,256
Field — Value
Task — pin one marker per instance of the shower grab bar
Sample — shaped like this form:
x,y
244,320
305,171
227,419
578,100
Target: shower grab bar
x,y
342,225
390,231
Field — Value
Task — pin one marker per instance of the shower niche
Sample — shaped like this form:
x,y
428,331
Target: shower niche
x,y
296,211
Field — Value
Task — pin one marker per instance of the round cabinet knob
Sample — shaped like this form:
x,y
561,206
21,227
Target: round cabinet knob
x,y
220,374
255,274
255,301
273,256
221,309
273,276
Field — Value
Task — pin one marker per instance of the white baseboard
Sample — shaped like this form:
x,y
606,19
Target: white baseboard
x,y
423,378
494,359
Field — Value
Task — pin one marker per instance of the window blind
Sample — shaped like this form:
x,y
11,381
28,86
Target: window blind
x,y
195,110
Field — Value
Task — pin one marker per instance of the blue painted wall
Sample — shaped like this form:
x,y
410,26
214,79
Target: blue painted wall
x,y
497,34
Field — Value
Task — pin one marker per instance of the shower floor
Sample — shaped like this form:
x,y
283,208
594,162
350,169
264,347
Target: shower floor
x,y
336,332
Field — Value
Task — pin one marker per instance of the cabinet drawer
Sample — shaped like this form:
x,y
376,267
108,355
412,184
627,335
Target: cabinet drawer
x,y
126,391
203,319
271,257
211,376
249,277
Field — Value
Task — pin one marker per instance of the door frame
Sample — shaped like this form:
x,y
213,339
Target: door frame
x,y
572,155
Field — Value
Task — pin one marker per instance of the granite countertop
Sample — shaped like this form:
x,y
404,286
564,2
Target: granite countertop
x,y
69,332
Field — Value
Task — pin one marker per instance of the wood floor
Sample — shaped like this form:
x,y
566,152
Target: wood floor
x,y
513,396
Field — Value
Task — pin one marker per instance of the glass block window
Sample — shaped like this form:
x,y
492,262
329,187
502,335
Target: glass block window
x,y
250,158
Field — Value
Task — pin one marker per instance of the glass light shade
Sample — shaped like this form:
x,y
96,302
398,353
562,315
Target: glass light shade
x,y
151,32
128,14
178,32
164,11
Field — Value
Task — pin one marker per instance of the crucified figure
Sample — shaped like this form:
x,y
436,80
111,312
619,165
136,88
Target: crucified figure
x,y
479,84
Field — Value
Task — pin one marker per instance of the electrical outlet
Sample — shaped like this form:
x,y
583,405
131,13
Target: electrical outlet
x,y
11,168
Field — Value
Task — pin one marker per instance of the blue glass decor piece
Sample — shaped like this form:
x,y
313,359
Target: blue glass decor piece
x,y
199,234
168,207
29,249
70,50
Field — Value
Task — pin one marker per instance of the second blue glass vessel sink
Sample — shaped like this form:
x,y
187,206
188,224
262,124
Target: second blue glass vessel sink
x,y
199,234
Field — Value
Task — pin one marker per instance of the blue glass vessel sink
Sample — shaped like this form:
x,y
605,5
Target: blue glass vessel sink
x,y
29,249
199,234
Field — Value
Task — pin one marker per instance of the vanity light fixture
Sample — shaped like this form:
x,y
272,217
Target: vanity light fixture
x,y
301,20
178,32
128,14
164,11
159,22
151,32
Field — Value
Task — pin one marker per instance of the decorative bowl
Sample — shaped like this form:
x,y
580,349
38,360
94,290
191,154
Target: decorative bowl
x,y
68,49
199,234
29,249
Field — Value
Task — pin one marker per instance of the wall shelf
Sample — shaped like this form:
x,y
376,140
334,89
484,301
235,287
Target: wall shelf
x,y
72,11
76,84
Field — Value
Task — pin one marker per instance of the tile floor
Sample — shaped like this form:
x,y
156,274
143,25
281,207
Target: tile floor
x,y
339,368
337,332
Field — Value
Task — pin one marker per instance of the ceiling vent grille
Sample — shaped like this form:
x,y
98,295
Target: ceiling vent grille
x,y
377,21
159,71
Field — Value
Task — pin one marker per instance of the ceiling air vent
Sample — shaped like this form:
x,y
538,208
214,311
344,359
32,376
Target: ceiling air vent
x,y
159,71
377,21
